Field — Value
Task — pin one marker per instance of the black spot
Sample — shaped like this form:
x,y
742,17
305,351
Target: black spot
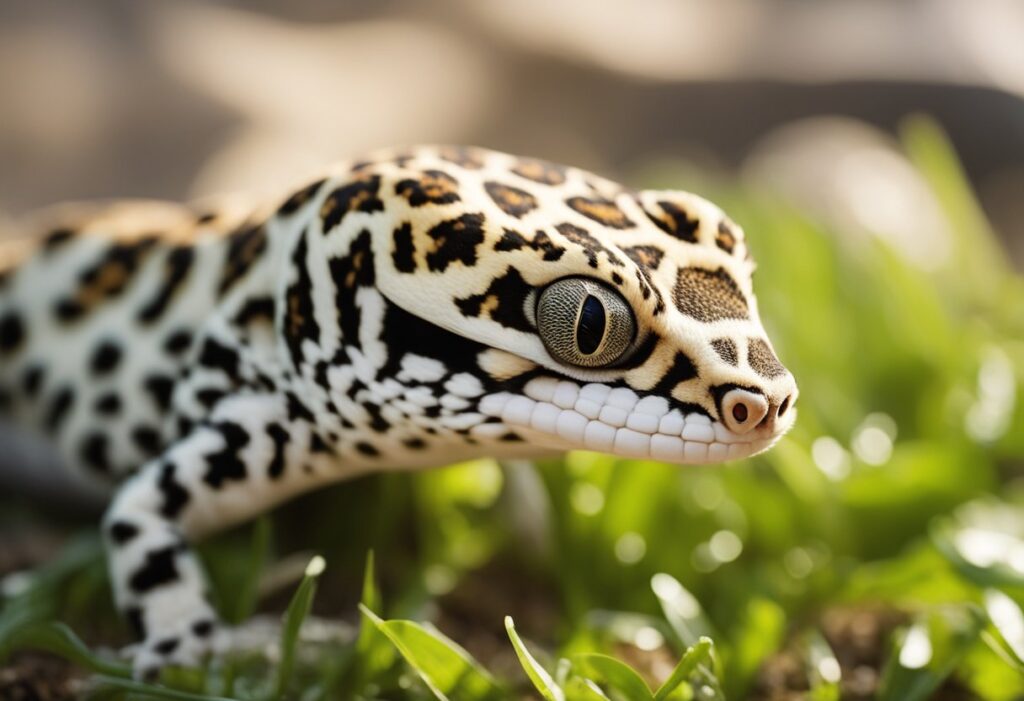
x,y
225,464
511,437
300,197
505,299
178,342
377,421
317,444
217,356
414,443
456,240
709,295
616,278
360,195
105,358
432,187
12,332
206,217
244,248
540,171
174,495
68,310
108,404
299,319
209,396
404,253
32,380
296,409
591,246
134,616
59,407
511,200
601,210
726,349
762,360
121,532
513,240
350,272
158,570
682,369
176,267
367,449
94,452
256,309
167,646
280,438
147,439
203,628
675,221
160,388
57,238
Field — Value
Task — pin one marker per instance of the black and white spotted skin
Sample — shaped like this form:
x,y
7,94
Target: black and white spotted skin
x,y
416,308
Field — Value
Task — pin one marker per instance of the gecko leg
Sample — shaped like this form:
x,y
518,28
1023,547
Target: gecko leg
x,y
248,457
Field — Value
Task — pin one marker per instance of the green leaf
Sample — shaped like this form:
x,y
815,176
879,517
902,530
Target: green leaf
x,y
297,611
1007,618
613,673
759,634
542,681
580,689
60,640
693,659
445,667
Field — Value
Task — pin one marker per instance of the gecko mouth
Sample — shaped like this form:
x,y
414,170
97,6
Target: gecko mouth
x,y
565,415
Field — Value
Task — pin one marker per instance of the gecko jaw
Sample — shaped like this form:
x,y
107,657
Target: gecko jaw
x,y
563,415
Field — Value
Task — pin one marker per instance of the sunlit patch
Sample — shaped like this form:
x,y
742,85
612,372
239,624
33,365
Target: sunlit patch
x,y
917,648
873,440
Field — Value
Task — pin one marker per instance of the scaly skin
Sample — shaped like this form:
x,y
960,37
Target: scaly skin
x,y
413,309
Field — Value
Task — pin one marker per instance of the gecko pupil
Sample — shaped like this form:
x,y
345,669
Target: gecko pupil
x,y
590,327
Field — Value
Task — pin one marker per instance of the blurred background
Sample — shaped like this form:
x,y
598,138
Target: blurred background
x,y
874,153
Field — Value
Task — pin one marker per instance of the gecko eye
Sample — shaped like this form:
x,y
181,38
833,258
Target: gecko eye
x,y
582,322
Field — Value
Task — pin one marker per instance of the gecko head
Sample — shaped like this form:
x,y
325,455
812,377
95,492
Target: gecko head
x,y
590,316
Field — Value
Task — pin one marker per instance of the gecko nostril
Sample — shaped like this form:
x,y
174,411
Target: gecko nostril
x,y
739,412
783,406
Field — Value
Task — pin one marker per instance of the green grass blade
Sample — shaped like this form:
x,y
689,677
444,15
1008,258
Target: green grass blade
x,y
297,611
58,639
698,655
245,603
682,610
823,669
542,681
140,689
444,666
613,673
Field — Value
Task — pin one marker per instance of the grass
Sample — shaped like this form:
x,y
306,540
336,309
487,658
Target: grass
x,y
878,550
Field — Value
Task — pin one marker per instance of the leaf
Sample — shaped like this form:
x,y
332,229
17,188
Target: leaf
x,y
542,681
615,674
693,659
297,611
1008,619
759,634
580,689
445,667
60,640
